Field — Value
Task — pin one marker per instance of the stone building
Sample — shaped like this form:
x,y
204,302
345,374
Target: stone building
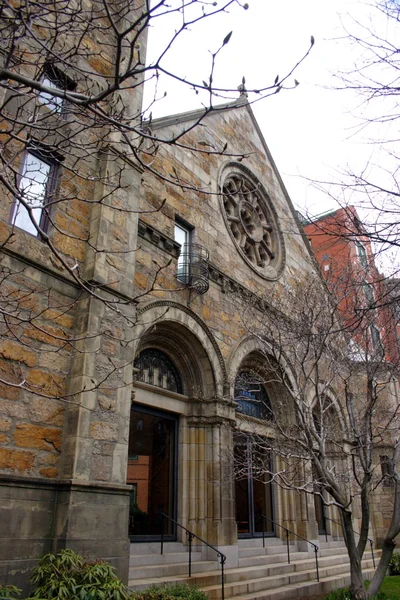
x,y
124,355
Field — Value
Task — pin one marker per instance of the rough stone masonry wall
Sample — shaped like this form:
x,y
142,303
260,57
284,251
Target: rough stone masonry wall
x,y
63,441
200,207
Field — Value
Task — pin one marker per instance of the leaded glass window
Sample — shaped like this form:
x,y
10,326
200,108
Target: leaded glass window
x,y
156,368
251,396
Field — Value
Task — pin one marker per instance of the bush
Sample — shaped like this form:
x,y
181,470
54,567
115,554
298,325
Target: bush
x,y
344,594
395,564
163,592
67,576
9,591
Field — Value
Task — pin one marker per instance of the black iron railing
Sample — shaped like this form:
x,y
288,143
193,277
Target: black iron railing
x,y
371,542
288,532
190,537
193,270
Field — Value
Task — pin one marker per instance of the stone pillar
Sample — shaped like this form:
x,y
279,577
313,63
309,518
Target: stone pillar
x,y
207,475
93,500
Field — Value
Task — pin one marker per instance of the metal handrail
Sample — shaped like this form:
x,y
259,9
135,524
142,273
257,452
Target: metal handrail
x,y
371,541
190,536
316,548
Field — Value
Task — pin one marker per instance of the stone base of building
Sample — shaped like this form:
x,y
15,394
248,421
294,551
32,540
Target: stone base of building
x,y
38,517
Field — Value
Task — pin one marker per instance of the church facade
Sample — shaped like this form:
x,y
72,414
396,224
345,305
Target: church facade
x,y
126,399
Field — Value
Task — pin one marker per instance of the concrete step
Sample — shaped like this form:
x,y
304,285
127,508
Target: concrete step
x,y
170,569
260,586
299,590
268,550
252,542
270,558
162,559
139,548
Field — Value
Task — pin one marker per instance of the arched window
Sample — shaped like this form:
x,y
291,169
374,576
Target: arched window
x,y
251,396
156,368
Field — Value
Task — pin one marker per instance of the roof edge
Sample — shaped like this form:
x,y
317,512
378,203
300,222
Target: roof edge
x,y
197,114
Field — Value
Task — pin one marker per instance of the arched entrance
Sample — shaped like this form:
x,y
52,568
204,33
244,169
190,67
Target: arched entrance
x,y
176,372
152,453
254,502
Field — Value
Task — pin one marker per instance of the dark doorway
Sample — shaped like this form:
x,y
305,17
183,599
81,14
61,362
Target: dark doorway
x,y
152,472
253,492
319,507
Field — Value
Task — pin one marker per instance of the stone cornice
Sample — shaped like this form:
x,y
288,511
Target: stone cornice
x,y
226,283
162,241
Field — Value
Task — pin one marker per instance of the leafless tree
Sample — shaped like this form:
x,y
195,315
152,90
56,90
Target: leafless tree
x,y
334,414
370,79
72,132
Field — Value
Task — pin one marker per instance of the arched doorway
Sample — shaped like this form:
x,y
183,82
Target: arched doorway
x,y
152,452
254,503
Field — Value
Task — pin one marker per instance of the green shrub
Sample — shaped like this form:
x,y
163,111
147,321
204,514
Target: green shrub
x,y
163,592
67,576
344,594
9,591
395,564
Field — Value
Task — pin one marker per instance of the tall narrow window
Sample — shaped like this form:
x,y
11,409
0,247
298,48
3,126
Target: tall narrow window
x,y
182,236
362,254
368,293
35,187
54,79
376,339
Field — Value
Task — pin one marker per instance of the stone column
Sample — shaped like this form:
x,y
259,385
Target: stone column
x,y
93,500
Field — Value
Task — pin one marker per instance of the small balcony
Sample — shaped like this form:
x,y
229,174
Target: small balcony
x,y
193,269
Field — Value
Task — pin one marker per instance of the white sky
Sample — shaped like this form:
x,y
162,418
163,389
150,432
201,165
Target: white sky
x,y
309,130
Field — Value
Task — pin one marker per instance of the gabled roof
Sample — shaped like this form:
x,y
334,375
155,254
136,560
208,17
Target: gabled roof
x,y
241,102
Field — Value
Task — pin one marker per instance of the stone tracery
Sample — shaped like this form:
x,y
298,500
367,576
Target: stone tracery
x,y
252,223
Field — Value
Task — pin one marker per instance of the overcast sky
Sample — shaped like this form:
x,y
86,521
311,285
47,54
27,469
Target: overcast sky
x,y
310,129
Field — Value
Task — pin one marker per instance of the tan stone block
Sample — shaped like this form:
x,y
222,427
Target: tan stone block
x,y
60,318
34,436
11,408
70,246
47,334
16,460
101,468
46,383
103,431
50,459
141,280
44,410
5,424
3,438
50,472
13,351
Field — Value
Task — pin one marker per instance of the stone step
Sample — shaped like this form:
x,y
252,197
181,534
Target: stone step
x,y
270,558
139,548
257,550
171,569
257,587
256,578
162,559
254,542
300,590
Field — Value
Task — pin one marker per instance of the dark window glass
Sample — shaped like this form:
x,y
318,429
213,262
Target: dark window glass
x,y
156,368
251,396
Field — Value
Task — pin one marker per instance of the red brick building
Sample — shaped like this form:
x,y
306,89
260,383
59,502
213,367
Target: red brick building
x,y
343,250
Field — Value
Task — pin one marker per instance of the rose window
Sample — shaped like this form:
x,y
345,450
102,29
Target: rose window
x,y
253,224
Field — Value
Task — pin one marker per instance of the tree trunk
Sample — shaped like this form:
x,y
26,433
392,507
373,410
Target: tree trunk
x,y
357,587
388,543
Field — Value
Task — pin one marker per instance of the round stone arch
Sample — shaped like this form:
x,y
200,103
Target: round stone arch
x,y
337,408
252,349
181,334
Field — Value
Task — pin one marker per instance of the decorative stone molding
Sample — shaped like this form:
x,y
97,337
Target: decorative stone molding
x,y
252,221
155,237
171,304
